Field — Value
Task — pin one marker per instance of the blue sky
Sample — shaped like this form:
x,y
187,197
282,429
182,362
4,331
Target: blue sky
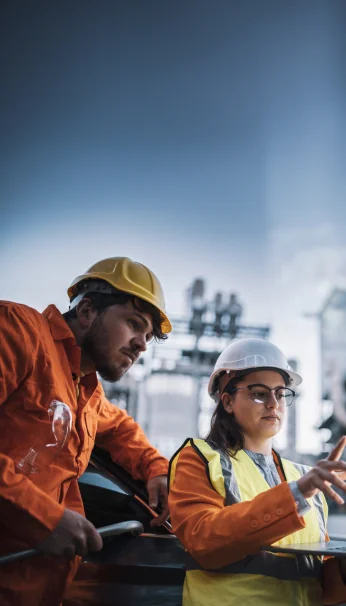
x,y
170,109
200,138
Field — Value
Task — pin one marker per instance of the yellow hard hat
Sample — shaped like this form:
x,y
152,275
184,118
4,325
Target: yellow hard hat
x,y
131,277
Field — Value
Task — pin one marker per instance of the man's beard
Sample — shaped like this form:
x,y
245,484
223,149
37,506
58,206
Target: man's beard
x,y
92,347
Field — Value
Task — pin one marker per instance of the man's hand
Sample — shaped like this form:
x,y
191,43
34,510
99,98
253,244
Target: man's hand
x,y
158,494
74,535
326,472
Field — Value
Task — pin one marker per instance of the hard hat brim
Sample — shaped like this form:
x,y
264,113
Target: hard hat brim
x,y
166,325
214,394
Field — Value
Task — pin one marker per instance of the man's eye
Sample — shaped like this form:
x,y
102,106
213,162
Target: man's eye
x,y
134,324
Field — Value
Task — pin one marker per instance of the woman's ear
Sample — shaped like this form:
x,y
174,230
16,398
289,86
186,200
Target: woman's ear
x,y
226,400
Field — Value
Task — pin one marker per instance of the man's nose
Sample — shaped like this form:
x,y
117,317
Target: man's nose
x,y
139,343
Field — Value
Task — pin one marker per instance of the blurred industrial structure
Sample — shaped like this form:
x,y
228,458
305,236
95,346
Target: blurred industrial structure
x,y
124,394
332,319
166,390
291,443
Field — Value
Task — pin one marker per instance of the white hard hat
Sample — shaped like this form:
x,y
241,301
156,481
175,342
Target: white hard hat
x,y
245,354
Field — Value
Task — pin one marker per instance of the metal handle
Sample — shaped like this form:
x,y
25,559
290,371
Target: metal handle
x,y
20,555
115,530
132,526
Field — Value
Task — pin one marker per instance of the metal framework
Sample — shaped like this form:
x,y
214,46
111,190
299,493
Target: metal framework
x,y
191,351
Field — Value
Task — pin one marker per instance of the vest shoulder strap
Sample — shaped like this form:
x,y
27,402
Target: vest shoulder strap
x,y
217,465
211,461
197,446
173,462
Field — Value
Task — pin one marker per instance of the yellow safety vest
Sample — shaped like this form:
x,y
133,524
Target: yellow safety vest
x,y
263,579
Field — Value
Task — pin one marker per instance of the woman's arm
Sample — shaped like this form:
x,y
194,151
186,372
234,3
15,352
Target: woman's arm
x,y
216,535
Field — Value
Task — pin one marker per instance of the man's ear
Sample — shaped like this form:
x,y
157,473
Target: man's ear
x,y
226,400
86,313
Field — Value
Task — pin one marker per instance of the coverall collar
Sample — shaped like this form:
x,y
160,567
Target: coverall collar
x,y
58,326
61,331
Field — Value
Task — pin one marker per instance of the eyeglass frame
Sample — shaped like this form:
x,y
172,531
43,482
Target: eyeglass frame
x,y
234,390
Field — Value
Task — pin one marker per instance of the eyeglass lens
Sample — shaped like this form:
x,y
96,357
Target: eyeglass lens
x,y
260,394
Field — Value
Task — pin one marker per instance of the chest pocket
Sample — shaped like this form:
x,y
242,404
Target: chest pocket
x,y
91,421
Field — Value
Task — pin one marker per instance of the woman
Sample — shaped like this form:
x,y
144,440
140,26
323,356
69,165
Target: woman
x,y
232,494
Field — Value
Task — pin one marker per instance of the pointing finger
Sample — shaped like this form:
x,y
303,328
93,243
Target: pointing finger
x,y
337,450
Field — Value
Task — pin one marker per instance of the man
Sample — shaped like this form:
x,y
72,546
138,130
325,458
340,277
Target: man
x,y
116,308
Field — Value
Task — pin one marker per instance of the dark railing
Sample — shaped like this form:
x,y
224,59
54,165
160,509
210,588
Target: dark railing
x,y
131,527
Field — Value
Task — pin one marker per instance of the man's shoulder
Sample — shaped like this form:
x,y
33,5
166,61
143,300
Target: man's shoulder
x,y
20,314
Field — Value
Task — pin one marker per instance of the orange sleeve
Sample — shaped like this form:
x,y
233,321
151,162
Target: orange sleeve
x,y
31,513
334,589
216,535
17,350
125,440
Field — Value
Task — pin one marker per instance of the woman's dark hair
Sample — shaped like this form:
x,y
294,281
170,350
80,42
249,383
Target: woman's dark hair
x,y
225,431
101,301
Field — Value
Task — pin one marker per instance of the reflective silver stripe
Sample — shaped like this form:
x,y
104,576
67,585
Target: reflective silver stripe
x,y
233,495
268,564
231,486
318,503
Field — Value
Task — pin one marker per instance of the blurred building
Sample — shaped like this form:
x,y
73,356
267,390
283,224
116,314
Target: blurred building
x,y
126,393
291,422
333,365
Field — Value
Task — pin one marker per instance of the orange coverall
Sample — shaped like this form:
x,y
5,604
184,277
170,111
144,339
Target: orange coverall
x,y
40,362
216,535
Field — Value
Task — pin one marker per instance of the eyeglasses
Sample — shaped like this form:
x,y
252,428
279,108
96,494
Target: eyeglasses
x,y
260,394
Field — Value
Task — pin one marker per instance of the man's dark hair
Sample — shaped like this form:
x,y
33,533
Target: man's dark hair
x,y
225,431
101,301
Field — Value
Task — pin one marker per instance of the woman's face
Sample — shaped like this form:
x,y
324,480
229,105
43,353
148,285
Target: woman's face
x,y
258,416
